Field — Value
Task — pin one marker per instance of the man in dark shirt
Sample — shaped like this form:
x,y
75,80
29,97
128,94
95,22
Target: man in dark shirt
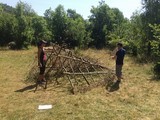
x,y
119,61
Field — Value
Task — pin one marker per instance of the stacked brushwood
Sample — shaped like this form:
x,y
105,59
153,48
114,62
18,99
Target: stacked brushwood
x,y
82,73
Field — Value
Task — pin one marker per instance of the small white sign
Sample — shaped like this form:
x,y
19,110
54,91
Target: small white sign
x,y
44,107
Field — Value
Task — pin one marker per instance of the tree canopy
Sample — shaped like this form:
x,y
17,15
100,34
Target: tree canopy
x,y
104,27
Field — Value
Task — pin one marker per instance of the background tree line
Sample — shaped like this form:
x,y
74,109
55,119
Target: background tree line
x,y
104,28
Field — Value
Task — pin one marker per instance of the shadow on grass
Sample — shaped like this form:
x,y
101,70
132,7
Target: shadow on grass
x,y
114,87
30,87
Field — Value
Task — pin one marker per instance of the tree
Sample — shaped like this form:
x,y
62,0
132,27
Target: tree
x,y
155,44
120,26
76,34
28,11
48,17
104,20
24,31
7,9
72,14
137,34
59,24
8,25
67,27
151,15
39,25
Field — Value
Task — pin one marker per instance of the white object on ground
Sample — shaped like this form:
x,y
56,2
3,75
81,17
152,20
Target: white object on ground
x,y
44,107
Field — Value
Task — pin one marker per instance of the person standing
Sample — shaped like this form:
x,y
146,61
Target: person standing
x,y
42,58
119,56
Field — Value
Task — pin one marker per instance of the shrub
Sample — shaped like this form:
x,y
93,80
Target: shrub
x,y
156,69
12,45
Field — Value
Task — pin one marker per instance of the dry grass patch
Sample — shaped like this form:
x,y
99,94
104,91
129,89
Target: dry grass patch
x,y
137,99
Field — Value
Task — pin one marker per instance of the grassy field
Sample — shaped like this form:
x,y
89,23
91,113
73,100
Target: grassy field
x,y
137,99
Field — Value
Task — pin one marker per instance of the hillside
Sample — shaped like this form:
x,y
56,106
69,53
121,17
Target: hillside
x,y
137,99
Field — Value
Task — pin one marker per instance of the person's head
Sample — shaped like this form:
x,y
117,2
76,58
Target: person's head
x,y
119,45
41,44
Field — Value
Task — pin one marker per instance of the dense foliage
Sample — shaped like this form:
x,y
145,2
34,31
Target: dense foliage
x,y
23,26
104,28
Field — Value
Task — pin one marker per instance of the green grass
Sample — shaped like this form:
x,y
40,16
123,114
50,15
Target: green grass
x,y
137,99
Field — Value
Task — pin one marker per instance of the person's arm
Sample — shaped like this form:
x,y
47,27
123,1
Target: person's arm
x,y
39,52
114,56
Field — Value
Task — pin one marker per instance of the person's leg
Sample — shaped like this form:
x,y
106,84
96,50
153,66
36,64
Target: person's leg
x,y
119,72
41,75
43,79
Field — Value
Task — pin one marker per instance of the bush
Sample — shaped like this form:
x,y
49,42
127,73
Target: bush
x,y
156,69
12,45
